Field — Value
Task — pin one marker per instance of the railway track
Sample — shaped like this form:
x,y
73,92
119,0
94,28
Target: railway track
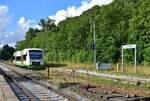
x,y
27,89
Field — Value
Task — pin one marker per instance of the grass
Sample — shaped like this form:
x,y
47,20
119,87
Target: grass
x,y
142,71
62,78
69,64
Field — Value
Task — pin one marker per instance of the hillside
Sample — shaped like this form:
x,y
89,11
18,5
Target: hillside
x,y
121,22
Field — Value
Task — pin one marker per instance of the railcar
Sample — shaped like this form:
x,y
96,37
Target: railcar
x,y
29,57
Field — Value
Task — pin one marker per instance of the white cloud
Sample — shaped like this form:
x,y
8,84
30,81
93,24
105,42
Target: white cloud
x,y
7,37
4,18
4,21
76,11
24,24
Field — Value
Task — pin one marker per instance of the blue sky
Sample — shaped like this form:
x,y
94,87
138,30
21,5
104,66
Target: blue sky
x,y
35,9
16,16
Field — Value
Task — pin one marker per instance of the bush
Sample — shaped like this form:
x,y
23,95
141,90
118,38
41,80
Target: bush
x,y
50,56
81,56
146,55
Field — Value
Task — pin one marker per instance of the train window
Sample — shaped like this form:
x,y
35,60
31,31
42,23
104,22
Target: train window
x,y
18,58
13,57
24,57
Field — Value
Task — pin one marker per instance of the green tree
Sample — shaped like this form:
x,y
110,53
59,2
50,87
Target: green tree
x,y
7,52
121,22
47,25
140,30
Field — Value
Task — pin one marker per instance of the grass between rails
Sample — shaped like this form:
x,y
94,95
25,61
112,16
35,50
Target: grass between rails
x,y
142,71
62,79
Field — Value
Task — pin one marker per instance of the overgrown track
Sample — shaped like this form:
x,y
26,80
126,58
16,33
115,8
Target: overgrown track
x,y
104,94
28,89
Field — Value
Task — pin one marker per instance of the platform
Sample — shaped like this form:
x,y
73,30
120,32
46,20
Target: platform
x,y
6,93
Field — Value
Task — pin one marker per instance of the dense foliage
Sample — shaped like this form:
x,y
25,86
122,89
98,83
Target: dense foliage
x,y
121,22
6,52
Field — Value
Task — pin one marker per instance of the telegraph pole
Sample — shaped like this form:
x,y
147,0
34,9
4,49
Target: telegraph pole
x,y
94,43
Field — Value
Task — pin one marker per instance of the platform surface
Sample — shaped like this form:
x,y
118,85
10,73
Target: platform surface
x,y
6,93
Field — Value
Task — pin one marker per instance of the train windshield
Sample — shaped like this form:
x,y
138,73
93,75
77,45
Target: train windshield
x,y
35,54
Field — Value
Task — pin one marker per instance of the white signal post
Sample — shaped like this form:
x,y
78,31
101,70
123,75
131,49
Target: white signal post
x,y
129,47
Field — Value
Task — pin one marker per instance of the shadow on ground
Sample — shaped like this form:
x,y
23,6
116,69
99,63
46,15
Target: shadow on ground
x,y
65,85
55,65
43,67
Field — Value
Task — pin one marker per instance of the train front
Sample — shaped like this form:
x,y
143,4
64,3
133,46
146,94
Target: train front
x,y
36,57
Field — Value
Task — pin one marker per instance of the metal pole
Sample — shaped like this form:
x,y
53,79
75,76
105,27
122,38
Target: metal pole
x,y
135,67
94,44
122,61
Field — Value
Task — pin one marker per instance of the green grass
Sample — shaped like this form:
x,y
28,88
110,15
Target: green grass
x,y
62,78
142,71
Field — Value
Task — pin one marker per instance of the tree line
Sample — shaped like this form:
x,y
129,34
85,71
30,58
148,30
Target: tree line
x,y
6,52
119,23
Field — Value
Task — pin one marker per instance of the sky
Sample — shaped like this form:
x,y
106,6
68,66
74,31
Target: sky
x,y
17,16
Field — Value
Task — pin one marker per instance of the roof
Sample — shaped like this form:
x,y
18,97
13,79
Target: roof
x,y
33,49
19,53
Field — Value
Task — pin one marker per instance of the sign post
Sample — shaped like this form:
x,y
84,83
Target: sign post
x,y
122,61
129,47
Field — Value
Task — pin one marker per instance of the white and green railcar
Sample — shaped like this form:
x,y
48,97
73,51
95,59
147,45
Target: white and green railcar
x,y
29,57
